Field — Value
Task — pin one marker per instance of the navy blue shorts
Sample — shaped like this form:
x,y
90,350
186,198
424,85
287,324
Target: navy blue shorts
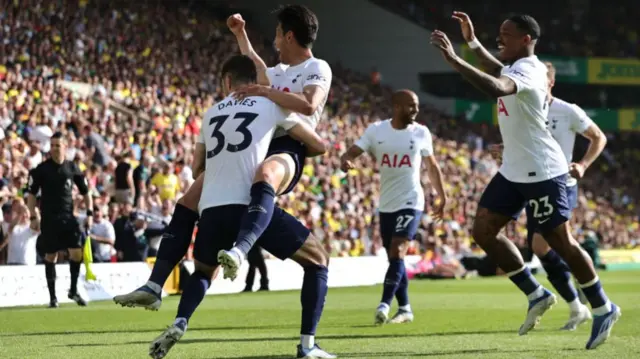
x,y
218,228
297,151
572,199
403,223
547,200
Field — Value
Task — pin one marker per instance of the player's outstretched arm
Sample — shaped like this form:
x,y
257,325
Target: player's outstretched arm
x,y
494,87
302,132
435,177
236,24
488,61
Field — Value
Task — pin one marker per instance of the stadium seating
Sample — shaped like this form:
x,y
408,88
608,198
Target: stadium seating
x,y
152,72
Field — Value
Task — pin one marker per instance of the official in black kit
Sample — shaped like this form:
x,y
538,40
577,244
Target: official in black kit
x,y
53,180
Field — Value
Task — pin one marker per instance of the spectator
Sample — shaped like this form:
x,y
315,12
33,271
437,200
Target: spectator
x,y
103,235
20,237
124,184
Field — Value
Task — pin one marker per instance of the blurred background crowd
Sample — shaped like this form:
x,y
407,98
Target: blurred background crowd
x,y
152,70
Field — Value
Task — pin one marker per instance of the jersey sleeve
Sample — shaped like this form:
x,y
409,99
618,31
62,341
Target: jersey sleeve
x,y
523,73
270,72
285,119
318,73
365,142
34,184
80,180
580,121
426,148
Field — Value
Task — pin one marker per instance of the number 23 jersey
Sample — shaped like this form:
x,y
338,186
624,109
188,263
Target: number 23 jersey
x,y
236,135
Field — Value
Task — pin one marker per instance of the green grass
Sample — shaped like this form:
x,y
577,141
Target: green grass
x,y
477,318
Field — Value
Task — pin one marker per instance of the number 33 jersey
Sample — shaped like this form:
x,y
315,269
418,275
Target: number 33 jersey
x,y
236,135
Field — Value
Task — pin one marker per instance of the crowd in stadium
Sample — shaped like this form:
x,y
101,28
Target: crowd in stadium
x,y
573,28
153,73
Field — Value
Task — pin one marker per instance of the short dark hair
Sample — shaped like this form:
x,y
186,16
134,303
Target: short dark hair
x,y
57,136
300,20
527,24
240,69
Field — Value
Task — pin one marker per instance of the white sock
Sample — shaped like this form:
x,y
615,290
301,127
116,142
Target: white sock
x,y
539,292
181,320
575,305
384,307
307,341
155,287
406,308
606,308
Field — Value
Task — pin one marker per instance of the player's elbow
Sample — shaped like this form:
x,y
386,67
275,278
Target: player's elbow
x,y
318,149
307,109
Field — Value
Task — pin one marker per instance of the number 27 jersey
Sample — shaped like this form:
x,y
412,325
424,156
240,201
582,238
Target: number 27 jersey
x,y
236,135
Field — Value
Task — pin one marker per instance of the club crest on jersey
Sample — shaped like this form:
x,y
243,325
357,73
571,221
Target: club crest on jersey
x,y
395,161
502,109
283,89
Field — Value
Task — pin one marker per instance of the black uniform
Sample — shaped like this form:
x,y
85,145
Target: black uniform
x,y
59,227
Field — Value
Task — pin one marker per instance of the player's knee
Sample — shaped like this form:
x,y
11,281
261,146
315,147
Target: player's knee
x,y
75,254
51,257
208,270
398,247
561,240
273,170
485,226
312,253
539,245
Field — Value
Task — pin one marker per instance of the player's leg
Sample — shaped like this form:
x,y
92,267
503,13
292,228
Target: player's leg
x,y
274,175
286,238
554,224
173,247
50,259
216,231
397,229
559,275
501,202
74,246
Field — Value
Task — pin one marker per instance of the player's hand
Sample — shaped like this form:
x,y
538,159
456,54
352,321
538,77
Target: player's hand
x,y
347,165
250,90
576,170
438,209
465,25
496,151
236,24
440,40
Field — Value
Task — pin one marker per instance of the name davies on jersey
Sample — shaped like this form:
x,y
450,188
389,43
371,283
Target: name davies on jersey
x,y
245,102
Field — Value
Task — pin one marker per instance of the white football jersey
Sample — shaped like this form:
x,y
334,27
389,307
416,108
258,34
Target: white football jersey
x,y
295,78
399,156
236,135
565,120
530,152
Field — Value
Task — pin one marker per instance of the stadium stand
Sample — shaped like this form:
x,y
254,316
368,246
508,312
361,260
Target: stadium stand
x,y
153,72
572,28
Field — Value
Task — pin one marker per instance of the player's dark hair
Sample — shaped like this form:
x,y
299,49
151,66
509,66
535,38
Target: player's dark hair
x,y
527,24
240,69
300,20
57,136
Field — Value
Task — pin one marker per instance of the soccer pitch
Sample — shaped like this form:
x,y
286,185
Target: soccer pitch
x,y
476,318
